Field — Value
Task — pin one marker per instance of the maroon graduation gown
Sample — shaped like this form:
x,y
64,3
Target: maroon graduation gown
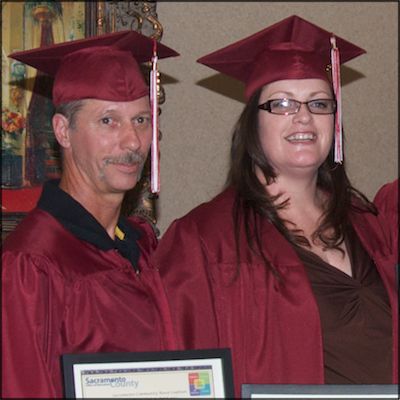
x,y
274,331
387,202
64,295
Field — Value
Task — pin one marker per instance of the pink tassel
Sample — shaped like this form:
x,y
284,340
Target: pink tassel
x,y
155,153
335,63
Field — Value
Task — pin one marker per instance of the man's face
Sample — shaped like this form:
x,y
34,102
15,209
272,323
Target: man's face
x,y
109,144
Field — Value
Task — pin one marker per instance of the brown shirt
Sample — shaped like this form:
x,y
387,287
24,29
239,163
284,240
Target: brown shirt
x,y
355,317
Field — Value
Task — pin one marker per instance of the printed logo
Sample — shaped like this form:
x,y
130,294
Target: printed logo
x,y
199,383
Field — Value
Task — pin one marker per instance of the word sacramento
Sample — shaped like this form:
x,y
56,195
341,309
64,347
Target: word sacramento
x,y
113,382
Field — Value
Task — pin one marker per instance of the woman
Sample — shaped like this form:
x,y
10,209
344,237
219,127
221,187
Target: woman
x,y
289,266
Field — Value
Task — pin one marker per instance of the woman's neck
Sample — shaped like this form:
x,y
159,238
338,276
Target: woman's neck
x,y
305,203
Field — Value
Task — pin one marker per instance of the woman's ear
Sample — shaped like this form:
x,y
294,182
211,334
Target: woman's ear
x,y
61,130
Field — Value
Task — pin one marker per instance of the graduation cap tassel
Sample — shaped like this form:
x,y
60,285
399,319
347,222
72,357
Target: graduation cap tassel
x,y
155,154
335,63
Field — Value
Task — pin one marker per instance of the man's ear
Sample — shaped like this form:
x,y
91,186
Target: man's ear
x,y
61,130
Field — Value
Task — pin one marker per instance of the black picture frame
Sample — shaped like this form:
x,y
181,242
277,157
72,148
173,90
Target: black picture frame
x,y
311,392
111,363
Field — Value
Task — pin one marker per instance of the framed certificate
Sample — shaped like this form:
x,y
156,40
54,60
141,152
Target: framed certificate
x,y
166,374
310,392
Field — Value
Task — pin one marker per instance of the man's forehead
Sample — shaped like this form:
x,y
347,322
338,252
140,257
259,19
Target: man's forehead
x,y
90,105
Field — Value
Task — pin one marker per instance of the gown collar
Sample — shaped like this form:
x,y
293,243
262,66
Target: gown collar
x,y
83,225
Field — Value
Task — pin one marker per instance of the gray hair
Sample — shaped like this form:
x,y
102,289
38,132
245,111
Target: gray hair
x,y
70,110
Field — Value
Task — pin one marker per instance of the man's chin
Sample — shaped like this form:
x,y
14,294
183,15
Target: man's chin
x,y
123,185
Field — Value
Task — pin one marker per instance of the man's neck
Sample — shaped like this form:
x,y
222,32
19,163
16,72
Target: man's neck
x,y
105,207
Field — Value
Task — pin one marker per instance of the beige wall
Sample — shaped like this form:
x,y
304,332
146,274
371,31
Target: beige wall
x,y
197,120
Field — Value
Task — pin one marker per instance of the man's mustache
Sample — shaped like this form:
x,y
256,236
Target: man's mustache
x,y
127,158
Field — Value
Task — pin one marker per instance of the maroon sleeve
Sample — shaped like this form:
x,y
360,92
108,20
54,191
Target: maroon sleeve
x,y
148,240
26,331
183,263
387,202
387,197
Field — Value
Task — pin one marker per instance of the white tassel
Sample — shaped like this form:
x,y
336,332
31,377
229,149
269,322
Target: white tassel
x,y
155,153
338,138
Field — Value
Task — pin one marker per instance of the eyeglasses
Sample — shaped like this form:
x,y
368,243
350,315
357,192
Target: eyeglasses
x,y
290,106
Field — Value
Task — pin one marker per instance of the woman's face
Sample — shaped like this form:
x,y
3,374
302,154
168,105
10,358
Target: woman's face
x,y
296,143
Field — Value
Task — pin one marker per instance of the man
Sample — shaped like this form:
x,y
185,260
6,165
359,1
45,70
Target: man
x,y
76,277
387,201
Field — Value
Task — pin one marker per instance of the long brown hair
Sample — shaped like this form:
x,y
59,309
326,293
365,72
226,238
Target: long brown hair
x,y
253,203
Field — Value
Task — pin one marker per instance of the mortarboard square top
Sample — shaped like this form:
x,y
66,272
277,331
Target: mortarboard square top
x,y
290,49
103,67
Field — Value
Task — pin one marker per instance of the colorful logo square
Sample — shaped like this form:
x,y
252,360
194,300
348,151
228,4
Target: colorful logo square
x,y
199,383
